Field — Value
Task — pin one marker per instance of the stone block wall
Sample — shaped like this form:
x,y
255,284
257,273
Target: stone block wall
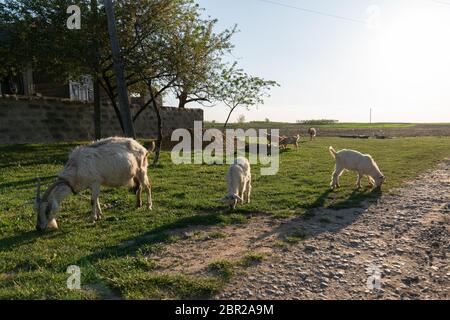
x,y
43,120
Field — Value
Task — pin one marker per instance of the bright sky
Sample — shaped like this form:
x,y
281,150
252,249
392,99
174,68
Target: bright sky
x,y
331,68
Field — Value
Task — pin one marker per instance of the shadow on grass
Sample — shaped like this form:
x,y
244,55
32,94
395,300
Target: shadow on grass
x,y
164,233
30,155
215,216
28,183
319,219
9,243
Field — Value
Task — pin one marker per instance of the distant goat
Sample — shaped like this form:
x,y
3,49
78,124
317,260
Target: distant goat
x,y
356,161
239,180
285,141
111,162
312,133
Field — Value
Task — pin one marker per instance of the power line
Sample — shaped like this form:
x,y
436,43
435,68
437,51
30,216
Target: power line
x,y
314,11
441,2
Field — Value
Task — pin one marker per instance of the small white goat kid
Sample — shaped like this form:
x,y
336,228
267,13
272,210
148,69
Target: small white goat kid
x,y
356,161
239,181
112,162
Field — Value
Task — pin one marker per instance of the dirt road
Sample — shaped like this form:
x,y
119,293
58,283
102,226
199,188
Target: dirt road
x,y
395,247
400,245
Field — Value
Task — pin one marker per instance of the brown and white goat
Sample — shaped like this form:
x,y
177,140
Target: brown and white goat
x,y
112,162
285,141
312,133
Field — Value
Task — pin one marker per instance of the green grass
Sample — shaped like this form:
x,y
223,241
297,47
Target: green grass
x,y
252,258
114,253
225,269
222,268
296,237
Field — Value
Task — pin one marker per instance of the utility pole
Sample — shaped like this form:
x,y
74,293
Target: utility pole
x,y
95,54
122,91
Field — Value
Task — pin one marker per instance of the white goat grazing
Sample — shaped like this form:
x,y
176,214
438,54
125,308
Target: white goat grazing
x,y
356,161
111,162
312,133
239,179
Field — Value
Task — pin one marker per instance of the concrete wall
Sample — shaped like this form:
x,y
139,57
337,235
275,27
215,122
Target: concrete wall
x,y
38,120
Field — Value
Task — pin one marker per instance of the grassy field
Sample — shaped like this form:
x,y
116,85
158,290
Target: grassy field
x,y
113,254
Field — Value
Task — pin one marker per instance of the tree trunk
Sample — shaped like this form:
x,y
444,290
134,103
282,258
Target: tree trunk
x,y
97,110
95,54
228,118
107,87
160,131
122,91
182,99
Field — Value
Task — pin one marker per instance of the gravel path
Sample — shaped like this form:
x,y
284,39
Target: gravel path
x,y
394,248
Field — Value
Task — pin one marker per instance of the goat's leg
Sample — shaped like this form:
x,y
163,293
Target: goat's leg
x,y
249,190
145,183
358,182
371,181
242,192
149,196
335,178
96,210
139,196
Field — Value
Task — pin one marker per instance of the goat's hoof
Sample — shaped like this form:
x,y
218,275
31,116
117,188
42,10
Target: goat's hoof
x,y
150,207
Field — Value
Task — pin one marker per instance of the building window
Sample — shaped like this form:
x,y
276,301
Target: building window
x,y
82,90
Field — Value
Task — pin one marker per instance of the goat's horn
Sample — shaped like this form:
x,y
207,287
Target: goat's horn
x,y
38,192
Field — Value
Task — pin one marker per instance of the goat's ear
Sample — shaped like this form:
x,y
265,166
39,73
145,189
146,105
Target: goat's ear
x,y
54,206
222,200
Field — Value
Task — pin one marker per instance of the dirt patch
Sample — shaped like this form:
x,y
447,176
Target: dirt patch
x,y
201,247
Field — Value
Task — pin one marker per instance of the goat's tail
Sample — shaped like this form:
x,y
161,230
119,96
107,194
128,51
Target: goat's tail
x,y
151,146
332,152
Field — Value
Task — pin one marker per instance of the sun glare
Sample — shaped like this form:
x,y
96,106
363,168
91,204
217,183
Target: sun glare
x,y
412,52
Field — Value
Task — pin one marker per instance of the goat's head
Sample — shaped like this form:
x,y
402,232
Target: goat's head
x,y
232,200
379,181
45,211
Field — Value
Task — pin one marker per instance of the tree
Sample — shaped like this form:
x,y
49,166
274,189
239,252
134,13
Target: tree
x,y
241,119
96,67
238,89
39,38
120,73
198,59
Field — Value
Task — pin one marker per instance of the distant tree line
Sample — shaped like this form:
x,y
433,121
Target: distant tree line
x,y
317,122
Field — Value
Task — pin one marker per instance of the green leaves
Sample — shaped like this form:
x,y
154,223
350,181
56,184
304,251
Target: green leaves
x,y
237,88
